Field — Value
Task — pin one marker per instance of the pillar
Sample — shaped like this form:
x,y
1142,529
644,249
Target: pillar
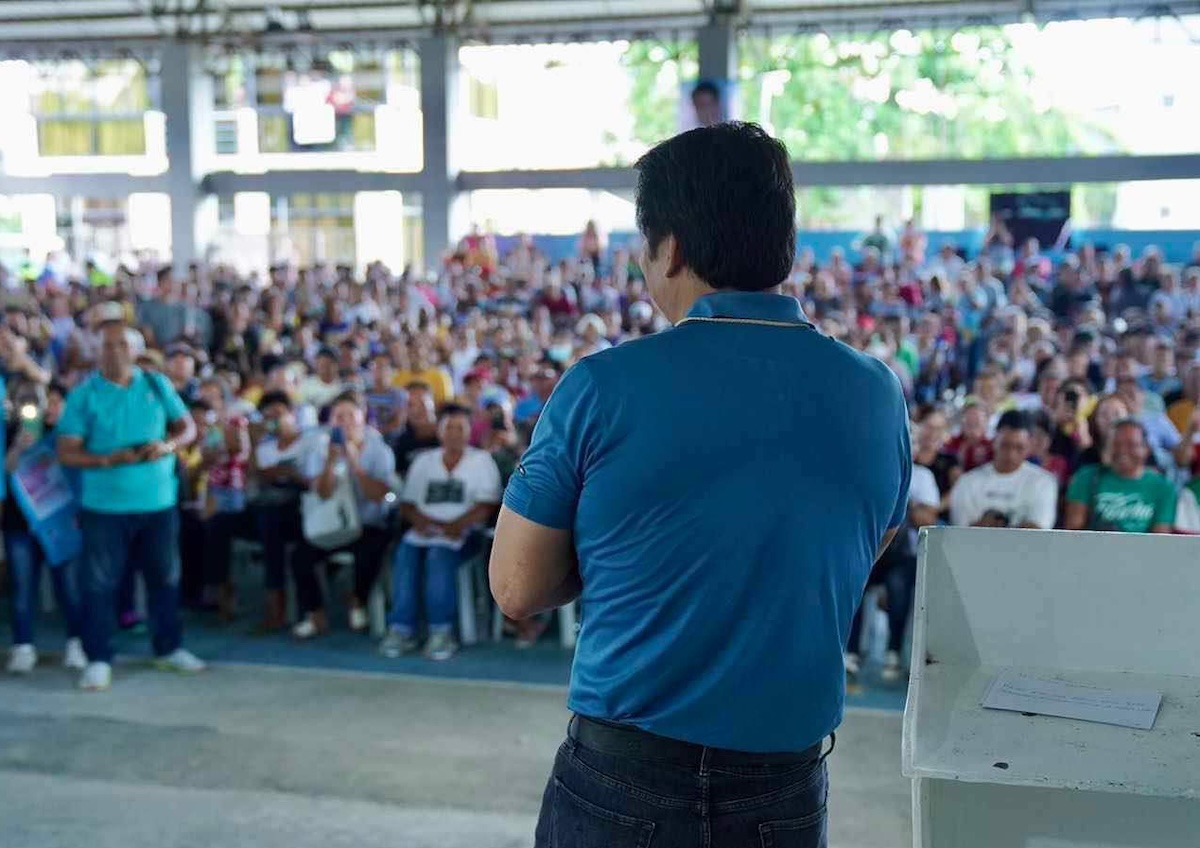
x,y
439,108
187,105
717,41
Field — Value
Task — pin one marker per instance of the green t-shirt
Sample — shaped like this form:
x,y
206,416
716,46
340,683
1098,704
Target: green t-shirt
x,y
1117,503
108,417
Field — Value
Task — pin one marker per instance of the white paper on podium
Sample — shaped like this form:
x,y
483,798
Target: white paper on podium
x,y
1016,692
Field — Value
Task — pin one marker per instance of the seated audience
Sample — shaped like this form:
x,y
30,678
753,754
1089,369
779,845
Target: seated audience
x,y
449,491
1009,491
1122,494
356,455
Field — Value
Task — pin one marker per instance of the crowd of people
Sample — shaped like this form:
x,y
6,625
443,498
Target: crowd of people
x,y
331,415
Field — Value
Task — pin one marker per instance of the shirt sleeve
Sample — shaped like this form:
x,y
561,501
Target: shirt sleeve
x,y
73,421
1079,489
923,490
1166,427
548,481
900,510
174,405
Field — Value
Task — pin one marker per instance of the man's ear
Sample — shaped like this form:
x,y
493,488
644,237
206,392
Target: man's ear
x,y
671,244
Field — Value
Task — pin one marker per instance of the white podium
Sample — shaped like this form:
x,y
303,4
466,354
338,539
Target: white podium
x,y
1100,609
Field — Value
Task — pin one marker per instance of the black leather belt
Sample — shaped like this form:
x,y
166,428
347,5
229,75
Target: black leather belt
x,y
624,740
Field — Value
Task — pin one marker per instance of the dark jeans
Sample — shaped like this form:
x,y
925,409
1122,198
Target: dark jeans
x,y
219,532
25,562
368,560
898,575
278,527
114,544
191,558
598,799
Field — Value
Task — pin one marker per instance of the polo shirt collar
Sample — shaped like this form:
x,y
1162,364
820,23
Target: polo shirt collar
x,y
761,306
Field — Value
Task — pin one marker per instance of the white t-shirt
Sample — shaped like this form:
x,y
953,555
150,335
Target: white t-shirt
x,y
449,495
1028,495
315,391
268,453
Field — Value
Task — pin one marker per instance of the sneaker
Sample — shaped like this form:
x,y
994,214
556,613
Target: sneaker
x,y
73,655
893,670
852,663
397,643
359,620
311,626
529,631
440,647
22,659
184,662
96,677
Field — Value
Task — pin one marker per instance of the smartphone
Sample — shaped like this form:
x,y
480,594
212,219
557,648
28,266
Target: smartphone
x,y
337,437
31,420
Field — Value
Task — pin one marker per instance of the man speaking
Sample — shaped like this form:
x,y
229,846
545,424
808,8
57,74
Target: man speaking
x,y
717,495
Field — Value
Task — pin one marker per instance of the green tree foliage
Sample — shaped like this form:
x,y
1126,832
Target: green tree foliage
x,y
898,95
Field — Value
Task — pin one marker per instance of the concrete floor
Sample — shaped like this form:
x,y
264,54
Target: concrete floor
x,y
264,757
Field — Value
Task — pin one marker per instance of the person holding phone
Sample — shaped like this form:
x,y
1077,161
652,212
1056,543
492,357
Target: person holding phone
x,y
24,553
122,428
358,452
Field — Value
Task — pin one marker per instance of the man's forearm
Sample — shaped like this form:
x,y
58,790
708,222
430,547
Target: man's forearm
x,y
78,457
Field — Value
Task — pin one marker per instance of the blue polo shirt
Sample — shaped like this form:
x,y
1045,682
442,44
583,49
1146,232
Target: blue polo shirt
x,y
109,417
728,485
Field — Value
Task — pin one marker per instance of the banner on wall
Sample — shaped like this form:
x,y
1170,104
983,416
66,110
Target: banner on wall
x,y
47,500
703,103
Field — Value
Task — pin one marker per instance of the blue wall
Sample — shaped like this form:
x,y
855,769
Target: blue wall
x,y
1176,245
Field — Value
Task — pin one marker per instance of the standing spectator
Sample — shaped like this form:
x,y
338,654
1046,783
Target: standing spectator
x,y
1009,491
122,427
276,507
181,371
897,572
448,493
591,246
25,557
356,452
928,452
227,458
1122,495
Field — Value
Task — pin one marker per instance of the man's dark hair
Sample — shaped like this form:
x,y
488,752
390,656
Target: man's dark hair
x,y
57,388
199,404
1014,419
706,87
271,398
725,193
453,409
418,386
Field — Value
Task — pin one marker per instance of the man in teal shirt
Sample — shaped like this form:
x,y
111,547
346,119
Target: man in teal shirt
x,y
122,427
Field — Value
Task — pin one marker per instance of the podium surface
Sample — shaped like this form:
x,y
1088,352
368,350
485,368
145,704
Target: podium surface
x,y
1115,611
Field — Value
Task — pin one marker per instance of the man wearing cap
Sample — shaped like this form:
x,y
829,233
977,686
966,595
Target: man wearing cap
x,y
181,369
122,427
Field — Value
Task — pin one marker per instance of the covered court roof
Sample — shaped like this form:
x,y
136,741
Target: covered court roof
x,y
28,23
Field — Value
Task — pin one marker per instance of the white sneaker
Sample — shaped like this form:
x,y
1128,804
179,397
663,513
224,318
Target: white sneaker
x,y
359,620
893,670
73,655
306,628
852,663
182,661
96,677
397,643
440,647
22,659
